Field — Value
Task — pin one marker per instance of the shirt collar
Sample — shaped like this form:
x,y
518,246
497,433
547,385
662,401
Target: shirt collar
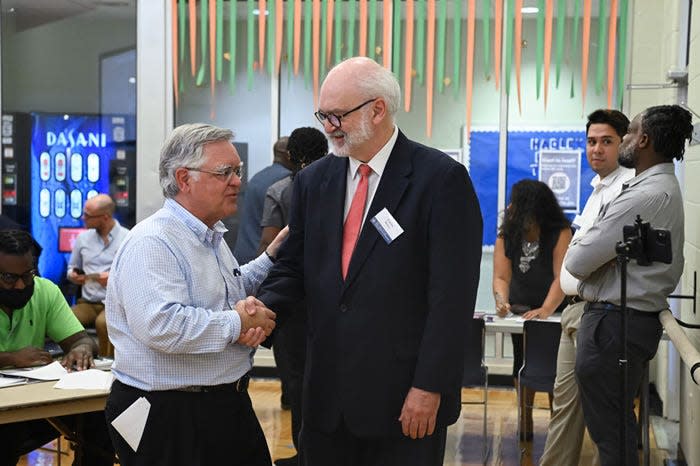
x,y
205,234
664,168
378,162
610,179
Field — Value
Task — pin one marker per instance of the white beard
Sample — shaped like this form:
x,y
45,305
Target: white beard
x,y
351,140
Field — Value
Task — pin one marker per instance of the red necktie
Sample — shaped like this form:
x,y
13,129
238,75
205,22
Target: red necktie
x,y
353,222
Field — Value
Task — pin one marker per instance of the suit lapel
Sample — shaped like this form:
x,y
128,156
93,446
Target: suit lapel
x,y
332,203
391,187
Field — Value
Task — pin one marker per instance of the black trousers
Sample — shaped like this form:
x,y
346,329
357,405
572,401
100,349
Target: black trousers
x,y
290,356
190,429
599,377
20,438
343,448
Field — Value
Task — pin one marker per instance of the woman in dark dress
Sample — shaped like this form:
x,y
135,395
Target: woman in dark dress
x,y
530,248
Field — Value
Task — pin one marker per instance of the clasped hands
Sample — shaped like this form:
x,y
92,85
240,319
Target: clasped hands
x,y
257,321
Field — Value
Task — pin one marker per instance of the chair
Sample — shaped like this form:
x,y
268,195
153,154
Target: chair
x,y
476,372
541,345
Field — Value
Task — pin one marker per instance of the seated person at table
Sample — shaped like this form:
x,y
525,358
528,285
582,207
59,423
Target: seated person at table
x,y
530,248
31,309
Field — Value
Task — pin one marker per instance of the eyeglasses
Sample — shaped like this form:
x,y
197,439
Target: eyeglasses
x,y
334,119
224,174
10,279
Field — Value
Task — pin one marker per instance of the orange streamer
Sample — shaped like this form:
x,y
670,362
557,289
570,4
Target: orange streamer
x,y
262,9
386,20
212,56
471,27
518,49
612,39
429,68
315,39
497,41
192,7
585,44
408,61
363,28
279,16
548,17
330,6
174,38
297,35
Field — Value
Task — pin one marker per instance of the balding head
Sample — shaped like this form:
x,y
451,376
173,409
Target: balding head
x,y
101,204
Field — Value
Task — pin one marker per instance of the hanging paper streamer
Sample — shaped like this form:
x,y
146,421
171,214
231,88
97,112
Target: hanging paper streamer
x,y
174,38
308,26
315,54
622,55
440,50
386,34
324,31
291,24
232,49
204,32
271,41
540,46
338,28
611,49
279,17
456,46
408,61
372,37
212,57
251,43
363,29
471,27
192,5
518,50
561,22
330,10
219,39
262,10
574,39
181,17
297,34
430,61
486,31
396,32
350,50
548,17
509,42
420,40
585,44
602,49
497,42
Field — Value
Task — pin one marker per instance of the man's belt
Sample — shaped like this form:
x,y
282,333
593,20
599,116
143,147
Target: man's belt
x,y
240,386
606,306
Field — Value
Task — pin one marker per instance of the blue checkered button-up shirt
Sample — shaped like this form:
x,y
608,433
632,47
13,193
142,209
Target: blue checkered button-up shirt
x,y
170,296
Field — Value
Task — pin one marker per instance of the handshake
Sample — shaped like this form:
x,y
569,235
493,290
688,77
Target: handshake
x,y
257,321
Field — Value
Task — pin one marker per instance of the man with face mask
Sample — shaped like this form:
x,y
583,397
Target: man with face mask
x,y
32,309
654,139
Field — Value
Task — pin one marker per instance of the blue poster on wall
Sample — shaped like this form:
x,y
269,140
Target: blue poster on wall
x,y
523,161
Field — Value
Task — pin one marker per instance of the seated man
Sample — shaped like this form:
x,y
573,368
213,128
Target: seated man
x,y
32,309
90,262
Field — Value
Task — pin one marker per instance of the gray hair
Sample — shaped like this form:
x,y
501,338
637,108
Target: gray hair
x,y
376,81
185,148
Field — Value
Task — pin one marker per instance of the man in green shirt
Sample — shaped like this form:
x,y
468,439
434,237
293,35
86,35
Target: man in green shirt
x,y
31,309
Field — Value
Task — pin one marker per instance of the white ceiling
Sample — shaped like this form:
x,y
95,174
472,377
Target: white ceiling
x,y
31,13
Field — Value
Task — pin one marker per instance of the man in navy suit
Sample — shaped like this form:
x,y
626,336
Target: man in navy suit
x,y
385,246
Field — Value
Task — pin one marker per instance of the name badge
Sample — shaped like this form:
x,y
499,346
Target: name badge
x,y
387,226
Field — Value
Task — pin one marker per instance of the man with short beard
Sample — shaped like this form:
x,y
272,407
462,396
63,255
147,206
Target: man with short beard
x,y
385,246
655,138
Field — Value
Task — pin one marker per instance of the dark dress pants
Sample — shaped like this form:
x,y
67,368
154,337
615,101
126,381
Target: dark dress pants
x,y
599,377
290,342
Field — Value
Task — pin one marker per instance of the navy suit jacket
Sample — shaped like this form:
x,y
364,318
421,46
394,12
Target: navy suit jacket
x,y
400,318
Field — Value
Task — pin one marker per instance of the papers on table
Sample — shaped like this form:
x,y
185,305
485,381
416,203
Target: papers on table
x,y
92,379
11,381
53,371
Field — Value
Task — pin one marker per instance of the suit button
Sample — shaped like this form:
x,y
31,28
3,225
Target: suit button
x,y
343,308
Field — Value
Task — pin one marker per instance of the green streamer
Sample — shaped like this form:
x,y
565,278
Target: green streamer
x,y
204,34
322,47
232,27
456,46
219,40
338,31
372,29
181,17
561,21
251,43
574,40
352,17
307,43
602,47
509,42
486,29
396,45
539,53
419,43
622,52
290,39
271,32
440,49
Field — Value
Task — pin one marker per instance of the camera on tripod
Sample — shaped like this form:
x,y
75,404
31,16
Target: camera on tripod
x,y
645,244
